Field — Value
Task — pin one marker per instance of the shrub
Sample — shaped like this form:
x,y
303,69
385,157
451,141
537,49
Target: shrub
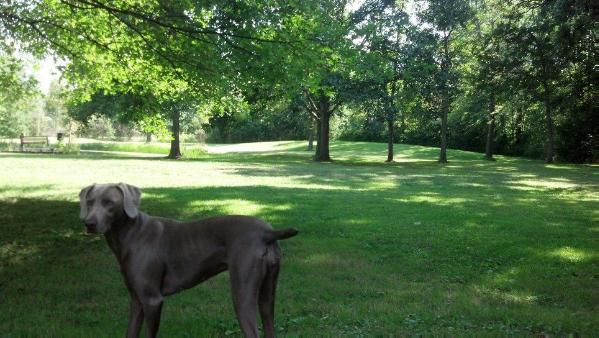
x,y
99,126
193,152
67,148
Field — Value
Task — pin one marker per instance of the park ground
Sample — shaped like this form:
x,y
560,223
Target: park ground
x,y
471,247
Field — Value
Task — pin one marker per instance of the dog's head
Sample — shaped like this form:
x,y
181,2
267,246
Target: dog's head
x,y
104,204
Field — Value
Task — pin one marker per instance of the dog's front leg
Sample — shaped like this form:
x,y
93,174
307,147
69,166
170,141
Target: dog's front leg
x,y
136,317
152,306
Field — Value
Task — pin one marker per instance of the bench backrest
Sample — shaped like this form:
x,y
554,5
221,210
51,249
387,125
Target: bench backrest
x,y
34,140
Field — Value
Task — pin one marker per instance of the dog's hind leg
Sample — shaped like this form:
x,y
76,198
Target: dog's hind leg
x,y
246,272
266,298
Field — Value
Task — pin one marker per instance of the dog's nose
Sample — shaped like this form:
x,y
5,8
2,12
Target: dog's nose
x,y
91,227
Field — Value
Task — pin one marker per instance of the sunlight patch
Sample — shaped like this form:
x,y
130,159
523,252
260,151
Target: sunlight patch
x,y
550,184
434,199
13,253
553,166
571,254
252,147
232,206
239,206
470,184
513,297
406,159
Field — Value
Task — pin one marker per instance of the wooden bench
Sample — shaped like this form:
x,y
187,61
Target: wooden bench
x,y
35,144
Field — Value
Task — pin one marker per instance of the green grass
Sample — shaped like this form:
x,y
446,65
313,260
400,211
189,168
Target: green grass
x,y
191,150
409,248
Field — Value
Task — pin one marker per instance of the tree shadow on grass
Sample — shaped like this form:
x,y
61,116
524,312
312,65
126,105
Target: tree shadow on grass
x,y
494,232
353,247
57,281
364,248
469,165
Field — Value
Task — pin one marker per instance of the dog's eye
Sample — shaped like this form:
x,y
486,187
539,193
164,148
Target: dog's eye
x,y
108,203
90,202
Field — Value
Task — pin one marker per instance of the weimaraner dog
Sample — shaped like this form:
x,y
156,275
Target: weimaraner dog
x,y
159,257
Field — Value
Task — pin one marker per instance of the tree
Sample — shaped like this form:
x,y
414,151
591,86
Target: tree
x,y
19,92
380,27
322,103
223,112
158,48
551,43
485,76
445,18
55,106
324,78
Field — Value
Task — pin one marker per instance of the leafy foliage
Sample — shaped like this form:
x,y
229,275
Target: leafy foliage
x,y
504,76
18,96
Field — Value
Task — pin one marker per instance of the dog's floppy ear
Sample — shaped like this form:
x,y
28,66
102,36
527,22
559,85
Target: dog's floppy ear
x,y
131,199
83,200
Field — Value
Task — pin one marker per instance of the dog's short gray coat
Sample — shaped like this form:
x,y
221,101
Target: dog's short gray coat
x,y
159,256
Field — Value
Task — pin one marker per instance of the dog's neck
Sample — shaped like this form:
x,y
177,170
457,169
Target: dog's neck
x,y
122,231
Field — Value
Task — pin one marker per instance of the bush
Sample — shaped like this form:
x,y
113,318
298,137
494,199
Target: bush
x,y
124,131
98,127
361,126
193,152
8,146
151,148
67,148
193,138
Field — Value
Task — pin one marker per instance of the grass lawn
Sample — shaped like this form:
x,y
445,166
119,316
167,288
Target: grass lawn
x,y
414,247
141,147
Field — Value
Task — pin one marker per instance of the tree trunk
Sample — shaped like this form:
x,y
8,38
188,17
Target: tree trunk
x,y
517,130
490,130
391,117
402,126
148,137
549,128
443,153
390,139
175,151
322,147
70,130
311,136
550,144
445,66
324,114
318,143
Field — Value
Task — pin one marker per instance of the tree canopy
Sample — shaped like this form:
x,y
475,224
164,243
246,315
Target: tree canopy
x,y
498,76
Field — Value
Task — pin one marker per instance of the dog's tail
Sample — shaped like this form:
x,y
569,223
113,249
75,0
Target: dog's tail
x,y
275,235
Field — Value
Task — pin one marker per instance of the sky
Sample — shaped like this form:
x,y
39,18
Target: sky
x,y
45,71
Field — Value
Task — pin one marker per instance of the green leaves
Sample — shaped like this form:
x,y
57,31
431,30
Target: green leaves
x,y
19,95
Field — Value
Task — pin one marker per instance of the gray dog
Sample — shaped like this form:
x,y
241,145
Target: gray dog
x,y
159,257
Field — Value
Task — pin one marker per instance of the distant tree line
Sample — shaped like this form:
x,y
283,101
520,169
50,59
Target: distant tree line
x,y
509,77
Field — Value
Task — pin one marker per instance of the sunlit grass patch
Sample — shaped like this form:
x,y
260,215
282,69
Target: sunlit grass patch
x,y
548,183
516,297
188,150
572,255
14,252
435,199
